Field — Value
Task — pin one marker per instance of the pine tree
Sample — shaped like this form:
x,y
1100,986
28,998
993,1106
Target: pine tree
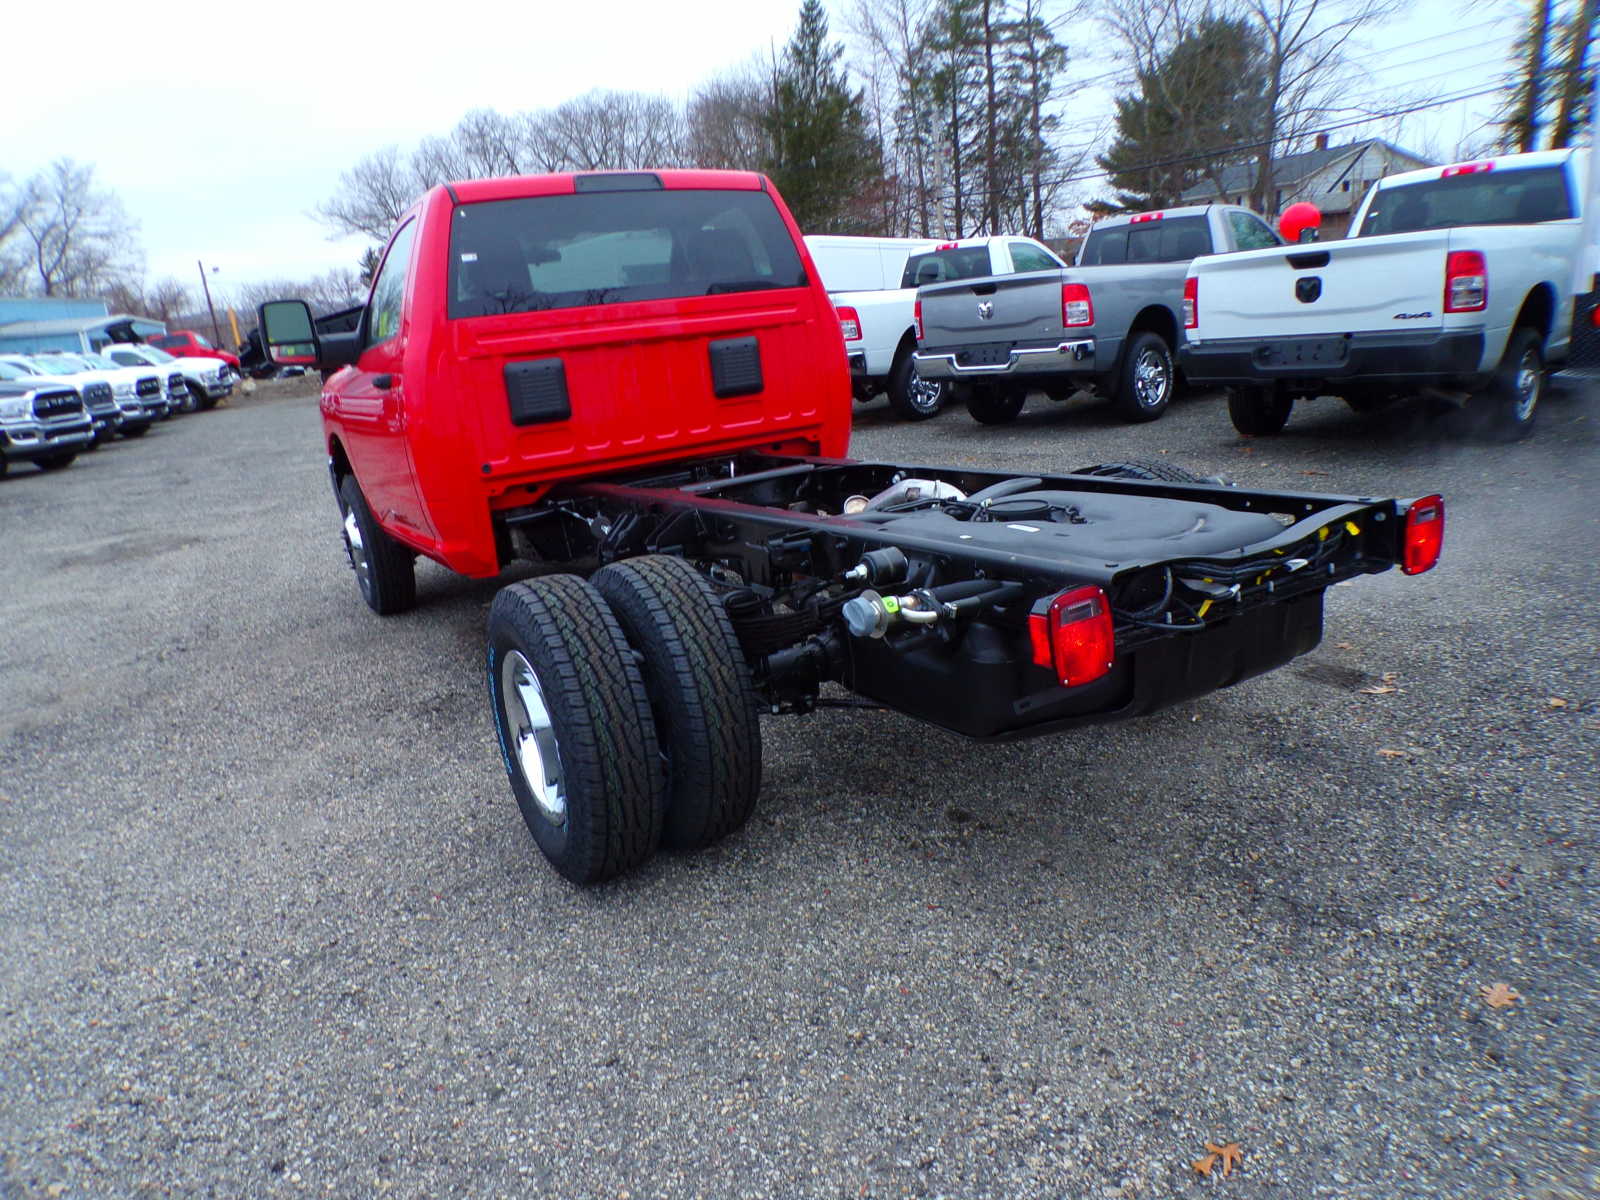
x,y
824,161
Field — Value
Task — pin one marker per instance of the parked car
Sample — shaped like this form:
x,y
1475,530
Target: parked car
x,y
97,399
207,380
137,393
42,423
186,343
1458,278
1111,325
879,326
639,371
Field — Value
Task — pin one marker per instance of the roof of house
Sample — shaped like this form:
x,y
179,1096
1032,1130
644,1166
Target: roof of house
x,y
67,325
1292,168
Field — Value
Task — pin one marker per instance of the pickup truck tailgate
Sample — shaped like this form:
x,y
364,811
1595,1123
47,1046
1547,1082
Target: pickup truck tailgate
x,y
1002,308
1360,285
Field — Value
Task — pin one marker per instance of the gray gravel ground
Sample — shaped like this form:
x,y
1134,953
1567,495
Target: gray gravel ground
x,y
273,926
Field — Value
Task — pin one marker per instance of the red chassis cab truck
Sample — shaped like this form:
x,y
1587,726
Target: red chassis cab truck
x,y
637,380
186,343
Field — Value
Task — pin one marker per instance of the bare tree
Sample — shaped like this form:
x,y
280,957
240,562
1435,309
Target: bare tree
x,y
891,32
373,195
80,241
1571,83
15,202
1308,71
1527,99
165,299
608,130
725,124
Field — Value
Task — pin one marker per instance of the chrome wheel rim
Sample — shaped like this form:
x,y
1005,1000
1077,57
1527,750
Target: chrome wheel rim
x,y
1527,386
534,749
924,394
1151,378
356,549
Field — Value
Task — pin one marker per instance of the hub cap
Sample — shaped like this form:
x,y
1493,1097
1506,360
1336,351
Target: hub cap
x,y
1527,386
1151,378
356,549
925,394
533,737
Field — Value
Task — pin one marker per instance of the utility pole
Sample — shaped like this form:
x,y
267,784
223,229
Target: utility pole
x,y
216,330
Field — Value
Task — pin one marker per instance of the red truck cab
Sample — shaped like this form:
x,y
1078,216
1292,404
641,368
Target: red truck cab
x,y
186,343
529,330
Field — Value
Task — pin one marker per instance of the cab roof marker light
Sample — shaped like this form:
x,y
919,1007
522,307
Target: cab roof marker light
x,y
1472,168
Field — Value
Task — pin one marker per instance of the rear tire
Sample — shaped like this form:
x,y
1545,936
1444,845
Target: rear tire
x,y
1518,385
700,691
995,406
912,397
576,735
1259,411
1147,379
386,572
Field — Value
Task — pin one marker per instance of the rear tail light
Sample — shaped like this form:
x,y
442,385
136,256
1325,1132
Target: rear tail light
x,y
849,323
1424,535
1191,303
1466,282
1076,306
1073,636
916,319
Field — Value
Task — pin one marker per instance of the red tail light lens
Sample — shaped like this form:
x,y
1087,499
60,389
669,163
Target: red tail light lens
x,y
849,323
1466,282
1424,535
1073,636
1191,303
1472,168
916,319
1141,218
1076,306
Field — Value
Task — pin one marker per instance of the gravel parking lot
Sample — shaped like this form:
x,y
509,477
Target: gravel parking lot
x,y
273,925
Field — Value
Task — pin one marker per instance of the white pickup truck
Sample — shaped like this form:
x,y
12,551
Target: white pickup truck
x,y
1457,279
879,326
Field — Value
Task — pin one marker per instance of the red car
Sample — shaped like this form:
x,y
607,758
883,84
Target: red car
x,y
186,343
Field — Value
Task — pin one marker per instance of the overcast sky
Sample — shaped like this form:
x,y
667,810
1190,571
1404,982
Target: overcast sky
x,y
221,133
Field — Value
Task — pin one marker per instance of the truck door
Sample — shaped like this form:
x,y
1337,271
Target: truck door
x,y
370,399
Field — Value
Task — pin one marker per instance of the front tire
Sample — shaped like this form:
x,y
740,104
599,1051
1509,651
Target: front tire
x,y
575,729
386,572
995,406
55,462
912,397
135,431
1518,385
1147,379
700,690
1259,411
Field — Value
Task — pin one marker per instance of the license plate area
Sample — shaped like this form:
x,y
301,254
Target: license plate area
x,y
1304,352
987,354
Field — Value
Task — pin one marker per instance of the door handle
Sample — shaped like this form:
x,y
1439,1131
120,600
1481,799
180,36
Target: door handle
x,y
383,382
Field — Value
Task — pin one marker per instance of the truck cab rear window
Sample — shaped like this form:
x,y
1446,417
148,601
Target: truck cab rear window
x,y
1523,196
1176,239
941,266
545,252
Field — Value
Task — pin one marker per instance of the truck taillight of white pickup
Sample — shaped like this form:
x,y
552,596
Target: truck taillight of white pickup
x,y
1191,303
1076,306
849,322
1424,535
1466,282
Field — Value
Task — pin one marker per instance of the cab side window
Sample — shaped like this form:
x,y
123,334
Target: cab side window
x,y
383,314
1030,258
1252,233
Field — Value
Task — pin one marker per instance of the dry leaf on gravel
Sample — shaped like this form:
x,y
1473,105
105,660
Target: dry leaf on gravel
x,y
1556,702
1343,646
1387,753
1384,686
1227,1156
1498,995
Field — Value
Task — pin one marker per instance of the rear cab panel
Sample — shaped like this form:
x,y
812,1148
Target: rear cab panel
x,y
560,327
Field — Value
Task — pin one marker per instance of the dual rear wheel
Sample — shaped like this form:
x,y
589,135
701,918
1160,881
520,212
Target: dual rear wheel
x,y
625,714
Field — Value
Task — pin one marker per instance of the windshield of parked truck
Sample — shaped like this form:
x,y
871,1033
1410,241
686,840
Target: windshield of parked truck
x,y
545,252
1518,196
941,266
1171,239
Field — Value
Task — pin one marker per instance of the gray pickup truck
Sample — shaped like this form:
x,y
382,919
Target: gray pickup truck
x,y
1111,324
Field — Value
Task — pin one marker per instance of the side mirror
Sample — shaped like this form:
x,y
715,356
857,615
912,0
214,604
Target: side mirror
x,y
287,334
1300,222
